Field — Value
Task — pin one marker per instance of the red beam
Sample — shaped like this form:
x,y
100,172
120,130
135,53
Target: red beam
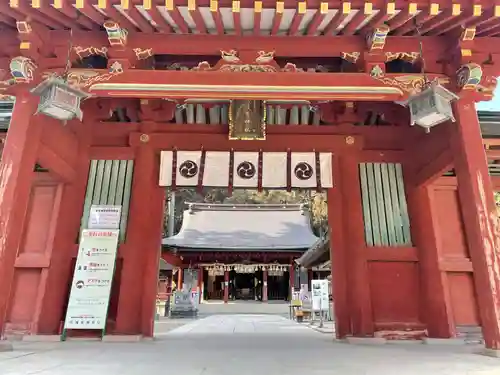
x,y
296,46
202,84
334,23
237,23
55,164
220,142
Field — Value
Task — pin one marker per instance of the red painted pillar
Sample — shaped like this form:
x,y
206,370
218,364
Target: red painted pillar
x,y
226,286
141,252
264,285
338,257
354,247
58,274
479,217
201,282
180,271
436,311
16,174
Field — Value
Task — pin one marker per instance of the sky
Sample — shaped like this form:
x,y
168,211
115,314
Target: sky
x,y
492,105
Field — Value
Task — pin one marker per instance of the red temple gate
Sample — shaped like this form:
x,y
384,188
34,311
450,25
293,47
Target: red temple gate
x,y
447,275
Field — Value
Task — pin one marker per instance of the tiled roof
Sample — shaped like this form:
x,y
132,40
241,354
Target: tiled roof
x,y
244,227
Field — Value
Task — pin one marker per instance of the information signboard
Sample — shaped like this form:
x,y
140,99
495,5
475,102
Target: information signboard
x,y
91,286
104,217
320,295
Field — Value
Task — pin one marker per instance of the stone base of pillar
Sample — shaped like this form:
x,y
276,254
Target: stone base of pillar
x,y
6,346
495,353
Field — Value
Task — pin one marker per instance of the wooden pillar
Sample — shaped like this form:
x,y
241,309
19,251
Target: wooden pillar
x,y
338,259
16,174
201,282
226,286
291,283
354,245
180,272
141,252
56,277
479,217
264,285
435,308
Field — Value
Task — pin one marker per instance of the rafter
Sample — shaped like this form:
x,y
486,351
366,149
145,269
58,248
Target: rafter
x,y
195,14
339,17
237,17
297,18
257,16
358,19
159,20
215,12
143,24
318,17
421,18
278,16
72,13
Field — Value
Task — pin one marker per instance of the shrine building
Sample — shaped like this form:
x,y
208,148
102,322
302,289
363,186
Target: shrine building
x,y
372,102
242,251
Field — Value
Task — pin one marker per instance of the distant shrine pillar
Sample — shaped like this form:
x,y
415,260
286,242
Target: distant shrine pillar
x,y
479,217
226,286
264,284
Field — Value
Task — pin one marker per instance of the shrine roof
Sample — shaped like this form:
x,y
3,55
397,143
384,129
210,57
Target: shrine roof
x,y
244,227
266,17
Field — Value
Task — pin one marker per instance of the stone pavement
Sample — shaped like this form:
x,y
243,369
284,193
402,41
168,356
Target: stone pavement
x,y
246,345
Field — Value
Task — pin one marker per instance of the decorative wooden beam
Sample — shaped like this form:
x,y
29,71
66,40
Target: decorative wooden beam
x,y
20,11
257,85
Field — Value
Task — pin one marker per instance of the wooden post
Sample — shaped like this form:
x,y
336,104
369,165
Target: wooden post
x,y
264,285
354,245
226,286
180,271
201,283
435,310
291,283
479,216
16,174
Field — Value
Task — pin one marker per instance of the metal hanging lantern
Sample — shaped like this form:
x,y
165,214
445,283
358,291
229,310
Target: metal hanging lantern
x,y
432,106
58,99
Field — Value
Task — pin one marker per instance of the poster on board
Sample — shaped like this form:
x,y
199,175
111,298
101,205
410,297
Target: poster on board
x,y
105,216
91,285
320,297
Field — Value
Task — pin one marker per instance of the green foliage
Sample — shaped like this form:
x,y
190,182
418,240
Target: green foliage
x,y
315,201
